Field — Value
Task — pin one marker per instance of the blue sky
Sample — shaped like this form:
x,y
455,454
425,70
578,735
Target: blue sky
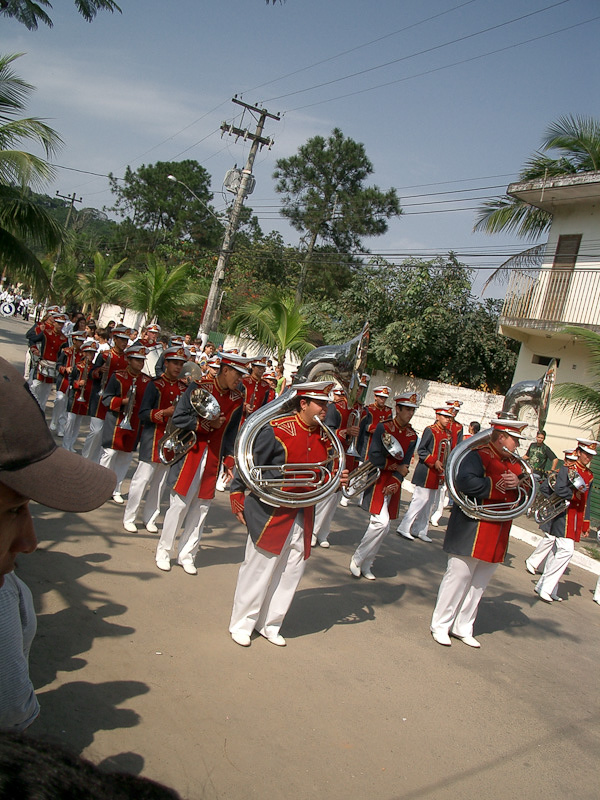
x,y
462,101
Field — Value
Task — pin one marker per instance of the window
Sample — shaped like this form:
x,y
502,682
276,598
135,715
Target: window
x,y
559,279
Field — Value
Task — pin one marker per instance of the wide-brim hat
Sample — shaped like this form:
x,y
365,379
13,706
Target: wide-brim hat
x,y
314,390
589,446
408,400
31,463
514,427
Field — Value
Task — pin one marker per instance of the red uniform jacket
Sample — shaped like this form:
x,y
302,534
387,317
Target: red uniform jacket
x,y
257,392
81,407
434,442
286,440
160,394
373,497
116,391
116,362
368,424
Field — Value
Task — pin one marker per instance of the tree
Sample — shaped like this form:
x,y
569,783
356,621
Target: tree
x,y
31,13
101,285
24,225
178,209
583,401
576,141
276,322
161,294
325,196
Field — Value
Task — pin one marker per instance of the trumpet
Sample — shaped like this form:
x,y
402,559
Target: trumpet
x,y
125,423
104,380
353,419
84,376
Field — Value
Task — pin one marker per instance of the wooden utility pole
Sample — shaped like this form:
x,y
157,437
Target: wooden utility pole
x,y
212,311
72,200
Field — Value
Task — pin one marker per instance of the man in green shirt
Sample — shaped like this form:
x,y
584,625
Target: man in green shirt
x,y
540,457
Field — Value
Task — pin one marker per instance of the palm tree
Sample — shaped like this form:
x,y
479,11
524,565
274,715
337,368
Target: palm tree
x,y
160,293
276,322
99,286
583,401
576,141
23,224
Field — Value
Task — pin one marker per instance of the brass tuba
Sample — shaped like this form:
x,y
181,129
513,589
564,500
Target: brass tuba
x,y
343,362
175,443
365,475
547,507
525,393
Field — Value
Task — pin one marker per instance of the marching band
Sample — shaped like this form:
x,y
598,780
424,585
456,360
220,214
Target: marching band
x,y
182,409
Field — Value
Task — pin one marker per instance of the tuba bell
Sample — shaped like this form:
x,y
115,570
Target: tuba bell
x,y
175,443
317,481
525,393
547,507
366,474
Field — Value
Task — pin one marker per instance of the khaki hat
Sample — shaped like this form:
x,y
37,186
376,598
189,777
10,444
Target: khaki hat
x,y
31,463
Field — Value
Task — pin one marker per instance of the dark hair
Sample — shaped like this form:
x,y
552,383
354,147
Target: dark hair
x,y
33,769
475,426
541,433
103,332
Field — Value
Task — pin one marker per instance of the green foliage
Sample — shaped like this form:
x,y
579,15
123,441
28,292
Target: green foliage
x,y
583,401
423,322
576,140
168,210
276,322
101,285
31,13
24,225
161,293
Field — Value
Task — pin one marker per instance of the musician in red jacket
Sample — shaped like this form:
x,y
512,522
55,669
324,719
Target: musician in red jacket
x,y
157,408
120,431
45,341
193,479
65,363
81,383
374,413
475,547
573,523
382,500
433,450
278,538
455,431
256,389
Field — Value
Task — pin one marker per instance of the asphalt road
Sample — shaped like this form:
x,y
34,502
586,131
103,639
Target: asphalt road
x,y
135,669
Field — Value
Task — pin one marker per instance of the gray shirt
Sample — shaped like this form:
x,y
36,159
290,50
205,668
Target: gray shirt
x,y
18,703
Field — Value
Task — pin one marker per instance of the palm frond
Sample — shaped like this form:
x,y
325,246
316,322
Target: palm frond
x,y
527,259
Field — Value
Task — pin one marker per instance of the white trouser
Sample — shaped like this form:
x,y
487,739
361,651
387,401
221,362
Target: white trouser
x,y
59,413
437,507
267,583
417,513
379,525
460,592
541,551
597,592
92,447
190,512
41,392
72,430
324,513
146,473
556,563
118,461
27,368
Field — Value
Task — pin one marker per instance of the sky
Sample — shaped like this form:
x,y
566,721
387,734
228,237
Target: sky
x,y
449,98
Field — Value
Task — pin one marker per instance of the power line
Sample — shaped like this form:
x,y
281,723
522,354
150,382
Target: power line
x,y
420,52
446,66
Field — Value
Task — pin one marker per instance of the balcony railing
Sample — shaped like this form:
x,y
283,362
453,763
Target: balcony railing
x,y
549,298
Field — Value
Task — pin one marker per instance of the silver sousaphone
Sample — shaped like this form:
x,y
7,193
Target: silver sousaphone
x,y
536,394
311,482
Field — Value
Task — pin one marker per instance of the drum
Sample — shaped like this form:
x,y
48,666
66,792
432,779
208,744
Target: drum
x,y
7,309
47,368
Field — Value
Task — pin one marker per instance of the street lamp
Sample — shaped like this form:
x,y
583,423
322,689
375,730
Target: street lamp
x,y
176,180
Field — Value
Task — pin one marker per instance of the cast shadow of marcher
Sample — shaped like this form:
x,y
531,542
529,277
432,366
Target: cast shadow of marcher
x,y
319,609
74,712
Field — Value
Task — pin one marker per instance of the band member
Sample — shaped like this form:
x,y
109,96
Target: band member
x,y
433,450
45,342
337,418
81,383
455,431
545,545
374,413
32,359
271,380
573,523
123,398
278,538
382,500
65,363
149,340
105,366
476,547
193,479
257,390
158,405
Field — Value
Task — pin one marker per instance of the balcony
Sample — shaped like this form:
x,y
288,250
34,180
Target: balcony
x,y
548,298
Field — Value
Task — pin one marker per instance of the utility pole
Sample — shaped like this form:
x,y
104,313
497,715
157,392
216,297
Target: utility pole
x,y
212,311
72,200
